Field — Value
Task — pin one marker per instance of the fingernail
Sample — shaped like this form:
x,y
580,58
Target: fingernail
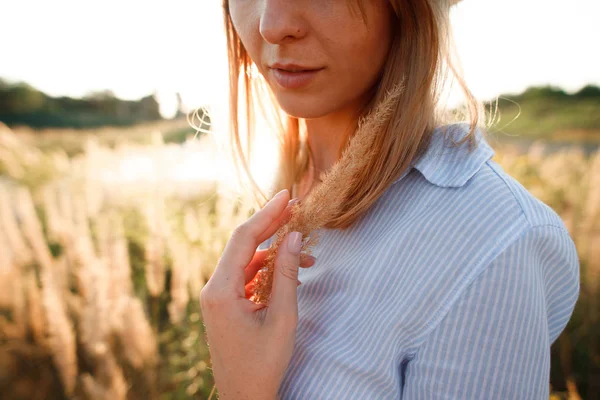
x,y
311,258
299,283
278,195
293,201
295,242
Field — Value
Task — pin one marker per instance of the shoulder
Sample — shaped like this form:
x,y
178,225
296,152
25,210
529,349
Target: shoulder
x,y
536,212
470,195
469,184
467,215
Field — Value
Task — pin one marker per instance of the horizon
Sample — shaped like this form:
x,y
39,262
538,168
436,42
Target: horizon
x,y
109,91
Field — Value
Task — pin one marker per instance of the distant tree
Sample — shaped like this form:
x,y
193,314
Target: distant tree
x,y
543,92
588,92
147,108
21,104
4,84
20,98
100,95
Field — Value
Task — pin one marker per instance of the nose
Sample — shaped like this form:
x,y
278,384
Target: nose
x,y
281,21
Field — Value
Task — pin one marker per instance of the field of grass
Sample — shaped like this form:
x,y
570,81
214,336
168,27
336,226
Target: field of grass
x,y
550,114
73,141
99,274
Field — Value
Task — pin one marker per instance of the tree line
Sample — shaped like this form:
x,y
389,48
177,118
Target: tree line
x,y
22,104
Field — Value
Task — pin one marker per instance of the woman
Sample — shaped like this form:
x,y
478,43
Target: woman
x,y
437,276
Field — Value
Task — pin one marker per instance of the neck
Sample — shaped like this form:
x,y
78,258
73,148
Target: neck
x,y
327,134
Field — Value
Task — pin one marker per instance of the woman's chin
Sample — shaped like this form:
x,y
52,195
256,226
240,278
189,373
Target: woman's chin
x,y
304,109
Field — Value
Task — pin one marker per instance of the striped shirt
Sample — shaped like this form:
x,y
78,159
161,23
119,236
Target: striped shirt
x,y
453,285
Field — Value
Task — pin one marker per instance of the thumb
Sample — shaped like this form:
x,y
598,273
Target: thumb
x,y
283,303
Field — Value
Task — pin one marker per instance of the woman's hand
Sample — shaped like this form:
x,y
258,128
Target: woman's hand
x,y
251,344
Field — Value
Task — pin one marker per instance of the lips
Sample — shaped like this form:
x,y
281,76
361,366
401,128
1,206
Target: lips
x,y
291,67
292,76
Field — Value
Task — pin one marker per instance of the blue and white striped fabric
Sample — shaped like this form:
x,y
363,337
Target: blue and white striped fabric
x,y
452,286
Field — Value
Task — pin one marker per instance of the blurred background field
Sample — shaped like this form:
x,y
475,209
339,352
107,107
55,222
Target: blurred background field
x,y
106,245
114,210
103,256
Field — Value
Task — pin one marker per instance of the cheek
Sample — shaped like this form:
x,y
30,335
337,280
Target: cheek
x,y
362,57
245,22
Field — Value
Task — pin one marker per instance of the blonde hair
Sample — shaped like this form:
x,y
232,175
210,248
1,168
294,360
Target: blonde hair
x,y
419,61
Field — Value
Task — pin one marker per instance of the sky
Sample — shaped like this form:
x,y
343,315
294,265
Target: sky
x,y
73,47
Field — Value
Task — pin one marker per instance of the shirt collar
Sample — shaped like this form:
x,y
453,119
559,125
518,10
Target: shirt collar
x,y
447,166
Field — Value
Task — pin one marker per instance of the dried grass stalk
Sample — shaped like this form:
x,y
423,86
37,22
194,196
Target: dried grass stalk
x,y
95,323
155,247
10,149
136,334
35,310
11,293
61,337
65,205
155,268
591,209
327,198
81,228
7,258
13,235
108,383
180,276
112,246
56,226
32,228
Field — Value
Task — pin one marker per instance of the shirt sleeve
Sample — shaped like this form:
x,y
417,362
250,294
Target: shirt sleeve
x,y
494,343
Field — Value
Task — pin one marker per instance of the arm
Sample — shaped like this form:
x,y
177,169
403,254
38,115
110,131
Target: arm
x,y
494,342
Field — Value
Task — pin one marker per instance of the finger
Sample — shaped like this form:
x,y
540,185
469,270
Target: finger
x,y
241,247
307,261
283,304
257,262
283,218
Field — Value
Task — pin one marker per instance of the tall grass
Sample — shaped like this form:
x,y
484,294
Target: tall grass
x,y
100,272
98,280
